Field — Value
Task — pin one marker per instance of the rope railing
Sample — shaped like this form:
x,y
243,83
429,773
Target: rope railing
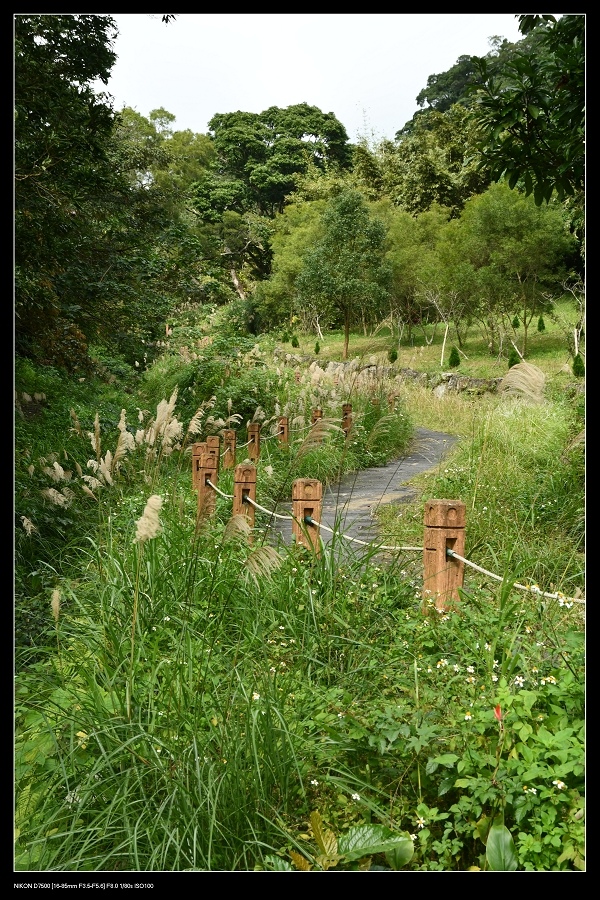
x,y
533,588
444,539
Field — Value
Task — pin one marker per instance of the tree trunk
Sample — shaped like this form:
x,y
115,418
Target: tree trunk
x,y
237,284
346,335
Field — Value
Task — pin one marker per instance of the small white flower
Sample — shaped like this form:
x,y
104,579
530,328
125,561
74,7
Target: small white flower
x,y
494,678
468,717
559,784
519,681
314,781
532,790
487,646
456,668
356,796
420,822
413,837
256,695
167,619
441,663
470,669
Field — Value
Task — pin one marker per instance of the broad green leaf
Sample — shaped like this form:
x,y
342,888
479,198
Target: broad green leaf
x,y
533,111
500,850
366,840
325,839
400,855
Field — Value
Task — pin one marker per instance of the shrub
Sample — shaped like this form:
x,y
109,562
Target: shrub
x,y
393,355
454,358
514,359
515,322
317,348
578,367
541,326
295,341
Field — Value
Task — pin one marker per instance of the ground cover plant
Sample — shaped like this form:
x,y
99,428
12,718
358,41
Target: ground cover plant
x,y
191,697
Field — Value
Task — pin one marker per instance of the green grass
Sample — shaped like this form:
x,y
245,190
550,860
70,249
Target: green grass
x,y
199,697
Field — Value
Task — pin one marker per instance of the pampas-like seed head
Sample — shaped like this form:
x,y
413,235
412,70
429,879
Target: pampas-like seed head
x,y
526,380
262,562
55,604
237,527
28,525
149,524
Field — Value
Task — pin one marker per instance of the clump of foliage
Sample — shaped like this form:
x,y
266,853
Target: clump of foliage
x,y
578,366
513,358
454,360
295,341
541,325
392,355
317,348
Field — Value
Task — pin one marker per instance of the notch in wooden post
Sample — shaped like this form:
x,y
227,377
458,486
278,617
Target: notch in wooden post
x,y
207,471
254,440
307,501
284,431
213,447
244,488
346,418
444,530
229,439
197,450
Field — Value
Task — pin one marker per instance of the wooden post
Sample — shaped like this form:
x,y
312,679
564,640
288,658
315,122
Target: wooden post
x,y
444,530
307,498
197,450
244,485
254,439
207,471
229,451
346,418
284,430
213,446
316,415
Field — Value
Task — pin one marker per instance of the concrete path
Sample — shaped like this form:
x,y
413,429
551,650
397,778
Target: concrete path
x,y
350,505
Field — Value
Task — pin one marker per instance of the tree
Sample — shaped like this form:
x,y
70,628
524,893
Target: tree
x,y
502,255
531,113
345,275
64,176
437,162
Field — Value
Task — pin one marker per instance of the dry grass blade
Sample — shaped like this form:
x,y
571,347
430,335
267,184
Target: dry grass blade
x,y
237,527
262,563
526,380
322,429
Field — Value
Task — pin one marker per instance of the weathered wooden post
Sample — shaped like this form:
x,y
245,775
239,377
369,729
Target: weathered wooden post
x,y
229,448
444,530
254,440
244,488
307,498
197,450
284,431
213,447
207,471
346,418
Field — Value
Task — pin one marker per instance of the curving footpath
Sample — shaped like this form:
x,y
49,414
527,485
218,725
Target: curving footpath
x,y
349,506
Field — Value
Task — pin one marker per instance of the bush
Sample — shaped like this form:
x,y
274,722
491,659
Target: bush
x,y
514,359
285,338
515,322
454,358
317,348
393,355
295,341
541,326
578,367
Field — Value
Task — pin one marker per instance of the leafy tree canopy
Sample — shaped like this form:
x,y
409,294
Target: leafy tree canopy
x,y
531,111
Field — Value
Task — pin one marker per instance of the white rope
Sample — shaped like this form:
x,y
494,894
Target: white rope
x,y
533,589
215,488
358,541
267,511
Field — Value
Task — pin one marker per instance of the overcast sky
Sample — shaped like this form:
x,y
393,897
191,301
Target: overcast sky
x,y
367,69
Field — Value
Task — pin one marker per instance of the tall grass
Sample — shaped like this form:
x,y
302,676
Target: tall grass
x,y
193,697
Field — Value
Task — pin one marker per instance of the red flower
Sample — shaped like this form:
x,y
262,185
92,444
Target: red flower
x,y
498,712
